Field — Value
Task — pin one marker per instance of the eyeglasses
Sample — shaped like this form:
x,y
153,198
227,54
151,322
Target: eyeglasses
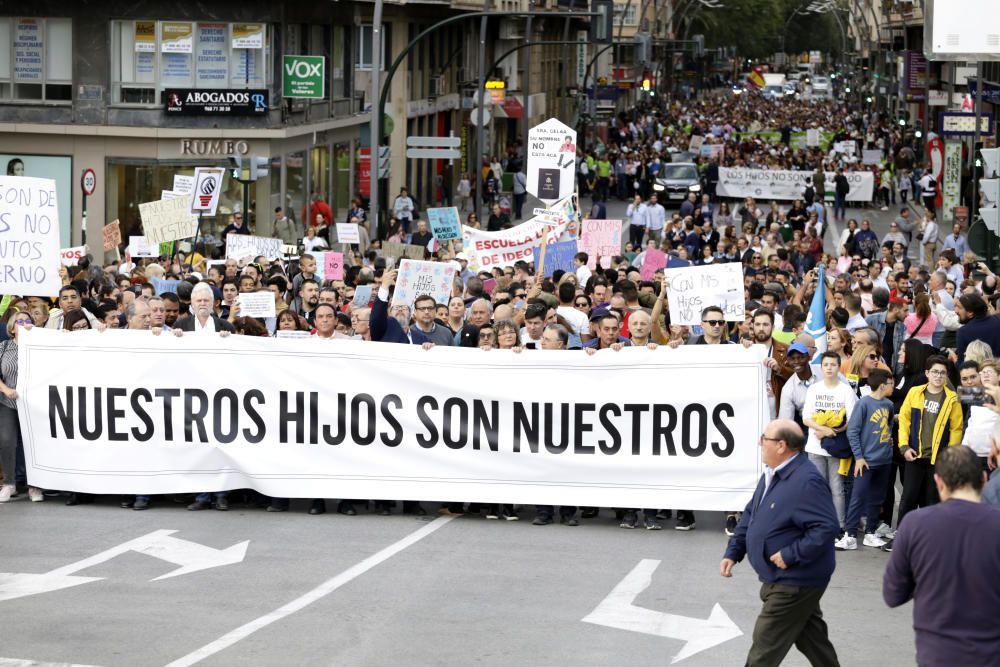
x,y
714,323
937,373
22,321
764,438
425,308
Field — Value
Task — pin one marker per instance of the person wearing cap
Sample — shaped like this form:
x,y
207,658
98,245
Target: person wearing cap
x,y
804,374
607,333
235,226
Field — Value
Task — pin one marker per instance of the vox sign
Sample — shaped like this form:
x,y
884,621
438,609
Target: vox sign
x,y
304,76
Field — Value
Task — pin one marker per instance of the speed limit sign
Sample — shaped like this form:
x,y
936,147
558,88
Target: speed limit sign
x,y
88,182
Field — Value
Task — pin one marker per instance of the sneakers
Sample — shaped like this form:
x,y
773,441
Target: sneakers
x,y
872,540
846,543
35,494
569,520
510,516
542,520
6,493
630,521
684,523
651,524
492,514
731,524
885,532
887,547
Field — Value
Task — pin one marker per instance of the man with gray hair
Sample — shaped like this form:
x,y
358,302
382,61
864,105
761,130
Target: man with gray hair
x,y
204,319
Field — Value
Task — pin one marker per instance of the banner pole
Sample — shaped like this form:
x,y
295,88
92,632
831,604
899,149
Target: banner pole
x,y
194,242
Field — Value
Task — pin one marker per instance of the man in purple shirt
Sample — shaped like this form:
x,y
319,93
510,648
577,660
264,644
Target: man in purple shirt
x,y
946,558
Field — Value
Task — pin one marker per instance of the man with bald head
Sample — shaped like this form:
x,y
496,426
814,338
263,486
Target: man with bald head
x,y
787,531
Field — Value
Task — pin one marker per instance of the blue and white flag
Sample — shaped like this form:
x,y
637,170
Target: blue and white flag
x,y
816,321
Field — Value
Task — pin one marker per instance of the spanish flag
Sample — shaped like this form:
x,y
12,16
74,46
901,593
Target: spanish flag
x,y
756,78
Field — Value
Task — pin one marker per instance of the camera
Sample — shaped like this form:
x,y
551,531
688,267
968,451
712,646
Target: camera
x,y
974,396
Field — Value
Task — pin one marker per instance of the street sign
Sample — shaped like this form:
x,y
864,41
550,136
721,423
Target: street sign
x,y
434,142
551,161
207,188
304,77
956,124
88,182
434,153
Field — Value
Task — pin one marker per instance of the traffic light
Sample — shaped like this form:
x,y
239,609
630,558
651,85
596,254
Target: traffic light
x,y
904,118
259,167
602,25
235,166
646,84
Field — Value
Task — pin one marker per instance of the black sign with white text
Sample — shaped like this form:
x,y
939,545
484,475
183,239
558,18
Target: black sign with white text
x,y
213,102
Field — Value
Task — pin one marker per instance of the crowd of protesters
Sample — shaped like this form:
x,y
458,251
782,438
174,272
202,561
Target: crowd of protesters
x,y
911,334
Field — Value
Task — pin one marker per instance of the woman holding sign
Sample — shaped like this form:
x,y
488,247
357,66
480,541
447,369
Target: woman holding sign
x,y
10,427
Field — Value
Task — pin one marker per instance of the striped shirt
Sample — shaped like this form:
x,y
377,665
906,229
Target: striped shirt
x,y
8,370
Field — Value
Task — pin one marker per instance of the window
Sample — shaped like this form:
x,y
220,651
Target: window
x,y
149,56
625,15
339,63
36,59
364,60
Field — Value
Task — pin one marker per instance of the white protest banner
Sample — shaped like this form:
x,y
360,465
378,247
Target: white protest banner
x,y
873,156
207,188
693,288
786,185
417,278
487,250
293,334
29,230
167,220
537,429
600,238
139,247
239,246
256,304
845,147
812,137
348,232
551,148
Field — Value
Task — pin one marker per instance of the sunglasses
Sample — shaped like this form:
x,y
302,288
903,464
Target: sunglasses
x,y
714,323
582,304
22,321
873,356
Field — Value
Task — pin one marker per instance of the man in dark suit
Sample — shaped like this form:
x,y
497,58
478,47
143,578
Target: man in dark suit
x,y
386,328
787,531
203,318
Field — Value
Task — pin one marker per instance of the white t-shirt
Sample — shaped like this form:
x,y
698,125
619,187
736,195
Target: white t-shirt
x,y
820,397
578,320
979,432
583,275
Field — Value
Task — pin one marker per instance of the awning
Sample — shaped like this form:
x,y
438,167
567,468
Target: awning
x,y
511,108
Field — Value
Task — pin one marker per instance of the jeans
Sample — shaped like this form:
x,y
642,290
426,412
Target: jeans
x,y
519,204
635,234
10,443
828,469
866,499
207,496
839,206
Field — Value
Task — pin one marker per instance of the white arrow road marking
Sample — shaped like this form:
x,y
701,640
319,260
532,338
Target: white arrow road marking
x,y
191,557
307,598
617,611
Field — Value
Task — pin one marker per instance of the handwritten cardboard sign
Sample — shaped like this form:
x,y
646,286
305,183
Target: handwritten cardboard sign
x,y
112,233
557,256
239,246
601,238
655,260
445,223
694,288
29,230
167,220
417,278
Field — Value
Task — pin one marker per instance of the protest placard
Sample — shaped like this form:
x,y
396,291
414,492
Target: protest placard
x,y
600,238
348,232
183,185
333,266
488,250
558,256
401,250
416,278
29,230
695,287
139,247
871,156
161,286
812,138
694,145
167,220
239,246
256,304
112,233
654,261
72,256
362,295
445,223
293,334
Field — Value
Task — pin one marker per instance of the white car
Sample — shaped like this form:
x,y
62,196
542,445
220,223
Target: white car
x,y
820,85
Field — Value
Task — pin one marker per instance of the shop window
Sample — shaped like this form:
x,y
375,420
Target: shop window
x,y
36,59
148,56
